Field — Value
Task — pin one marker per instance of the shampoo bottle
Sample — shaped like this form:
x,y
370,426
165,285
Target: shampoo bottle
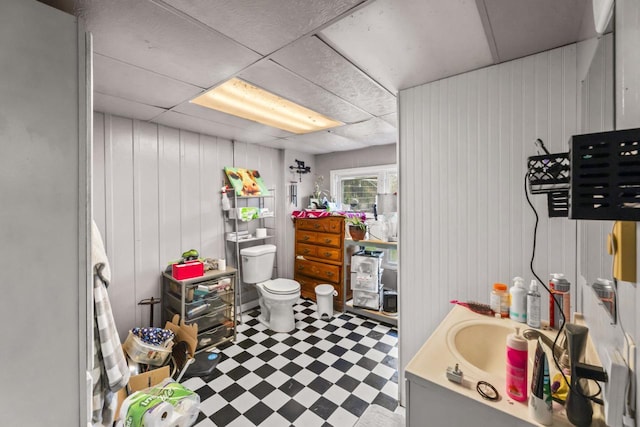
x,y
518,305
533,305
517,366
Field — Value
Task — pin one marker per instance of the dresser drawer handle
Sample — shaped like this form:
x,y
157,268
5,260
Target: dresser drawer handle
x,y
316,226
327,240
306,251
327,254
300,267
329,273
305,237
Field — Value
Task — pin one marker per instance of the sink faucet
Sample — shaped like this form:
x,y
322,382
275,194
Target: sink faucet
x,y
560,352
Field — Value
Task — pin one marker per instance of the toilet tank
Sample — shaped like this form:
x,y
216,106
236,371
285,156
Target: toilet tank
x,y
257,263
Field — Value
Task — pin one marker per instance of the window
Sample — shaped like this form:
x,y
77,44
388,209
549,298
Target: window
x,y
357,189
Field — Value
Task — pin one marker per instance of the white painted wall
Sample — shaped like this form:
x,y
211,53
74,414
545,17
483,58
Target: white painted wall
x,y
464,220
43,258
627,99
305,186
598,114
156,195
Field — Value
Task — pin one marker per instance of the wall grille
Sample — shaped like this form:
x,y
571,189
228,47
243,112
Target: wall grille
x,y
605,176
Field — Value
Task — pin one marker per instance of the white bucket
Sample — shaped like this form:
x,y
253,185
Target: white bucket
x,y
324,301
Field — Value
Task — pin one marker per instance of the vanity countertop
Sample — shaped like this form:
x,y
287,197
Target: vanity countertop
x,y
428,367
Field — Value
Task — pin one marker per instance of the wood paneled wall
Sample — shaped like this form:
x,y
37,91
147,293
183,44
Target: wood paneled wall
x,y
156,194
465,222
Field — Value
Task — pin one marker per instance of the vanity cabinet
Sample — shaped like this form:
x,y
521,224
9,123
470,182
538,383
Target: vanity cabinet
x,y
207,301
319,251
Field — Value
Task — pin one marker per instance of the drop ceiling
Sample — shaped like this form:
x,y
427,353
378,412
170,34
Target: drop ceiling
x,y
346,59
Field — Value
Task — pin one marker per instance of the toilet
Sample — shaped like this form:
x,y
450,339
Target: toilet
x,y
276,296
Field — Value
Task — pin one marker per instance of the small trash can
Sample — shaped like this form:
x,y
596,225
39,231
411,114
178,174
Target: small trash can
x,y
324,300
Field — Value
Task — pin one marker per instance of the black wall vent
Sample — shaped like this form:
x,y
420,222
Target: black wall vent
x,y
605,176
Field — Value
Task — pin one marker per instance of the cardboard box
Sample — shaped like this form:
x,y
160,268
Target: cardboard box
x,y
183,332
187,270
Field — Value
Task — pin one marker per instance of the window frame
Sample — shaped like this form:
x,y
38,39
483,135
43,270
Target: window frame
x,y
382,172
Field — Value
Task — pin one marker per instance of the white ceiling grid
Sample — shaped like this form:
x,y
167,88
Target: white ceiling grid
x,y
346,59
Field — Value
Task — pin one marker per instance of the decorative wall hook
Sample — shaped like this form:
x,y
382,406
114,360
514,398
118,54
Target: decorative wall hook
x,y
300,169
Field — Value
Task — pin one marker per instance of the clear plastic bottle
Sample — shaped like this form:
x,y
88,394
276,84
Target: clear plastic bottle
x,y
518,301
499,300
533,305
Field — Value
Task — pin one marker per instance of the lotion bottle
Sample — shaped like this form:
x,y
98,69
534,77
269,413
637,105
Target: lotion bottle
x,y
533,305
517,366
518,304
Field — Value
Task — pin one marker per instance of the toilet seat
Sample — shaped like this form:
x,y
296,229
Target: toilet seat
x,y
281,286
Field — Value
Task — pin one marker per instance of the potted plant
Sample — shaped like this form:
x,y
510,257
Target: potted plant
x,y
357,228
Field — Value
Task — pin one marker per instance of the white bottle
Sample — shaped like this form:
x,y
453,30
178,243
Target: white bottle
x,y
226,205
518,304
533,305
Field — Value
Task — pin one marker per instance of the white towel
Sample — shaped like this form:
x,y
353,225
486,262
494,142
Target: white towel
x,y
98,254
110,371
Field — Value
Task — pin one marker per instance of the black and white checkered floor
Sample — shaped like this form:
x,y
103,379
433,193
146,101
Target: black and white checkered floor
x,y
320,374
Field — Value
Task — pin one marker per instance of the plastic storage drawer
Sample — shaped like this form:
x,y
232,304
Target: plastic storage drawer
x,y
208,320
364,299
201,290
366,282
215,335
196,308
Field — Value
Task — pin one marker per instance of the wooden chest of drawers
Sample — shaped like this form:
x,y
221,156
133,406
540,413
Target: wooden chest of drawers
x,y
319,251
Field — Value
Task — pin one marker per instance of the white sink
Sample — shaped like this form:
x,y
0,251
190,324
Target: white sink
x,y
480,344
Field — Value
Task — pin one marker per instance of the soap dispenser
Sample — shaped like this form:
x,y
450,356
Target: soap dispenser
x,y
517,366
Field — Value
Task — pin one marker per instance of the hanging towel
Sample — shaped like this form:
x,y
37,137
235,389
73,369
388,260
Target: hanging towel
x,y
98,254
110,371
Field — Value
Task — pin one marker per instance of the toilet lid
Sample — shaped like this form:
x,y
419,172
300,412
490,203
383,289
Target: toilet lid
x,y
282,286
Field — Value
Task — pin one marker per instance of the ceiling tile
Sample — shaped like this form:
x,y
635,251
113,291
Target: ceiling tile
x,y
127,81
264,27
372,132
227,119
195,124
401,44
317,62
285,144
125,108
324,142
149,36
274,78
523,27
392,119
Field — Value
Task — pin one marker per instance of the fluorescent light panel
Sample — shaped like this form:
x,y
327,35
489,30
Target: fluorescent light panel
x,y
242,99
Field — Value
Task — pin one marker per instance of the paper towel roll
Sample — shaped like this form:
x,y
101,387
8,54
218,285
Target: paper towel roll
x,y
158,416
140,409
183,420
189,417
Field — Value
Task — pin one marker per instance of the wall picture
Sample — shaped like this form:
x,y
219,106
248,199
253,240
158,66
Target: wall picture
x,y
246,182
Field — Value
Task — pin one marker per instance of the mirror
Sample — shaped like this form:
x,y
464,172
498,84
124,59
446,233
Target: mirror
x,y
606,293
597,115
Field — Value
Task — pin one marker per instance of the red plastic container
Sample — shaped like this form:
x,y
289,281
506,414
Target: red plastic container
x,y
187,270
